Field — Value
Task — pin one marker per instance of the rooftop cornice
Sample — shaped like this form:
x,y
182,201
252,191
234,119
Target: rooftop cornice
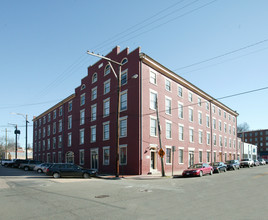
x,y
69,98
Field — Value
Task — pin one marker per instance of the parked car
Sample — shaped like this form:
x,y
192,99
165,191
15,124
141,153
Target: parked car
x,y
5,162
16,163
40,168
256,163
262,161
232,164
198,169
246,163
219,167
69,170
29,165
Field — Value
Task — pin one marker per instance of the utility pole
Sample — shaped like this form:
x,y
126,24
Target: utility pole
x,y
159,136
26,132
118,76
26,141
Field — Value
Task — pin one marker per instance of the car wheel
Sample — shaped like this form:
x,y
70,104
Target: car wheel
x,y
26,168
201,173
211,172
86,175
39,171
56,175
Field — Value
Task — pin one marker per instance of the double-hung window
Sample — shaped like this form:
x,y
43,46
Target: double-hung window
x,y
168,105
153,100
82,136
106,107
168,129
153,126
123,101
123,127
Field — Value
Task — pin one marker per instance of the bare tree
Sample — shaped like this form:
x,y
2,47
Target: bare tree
x,y
242,127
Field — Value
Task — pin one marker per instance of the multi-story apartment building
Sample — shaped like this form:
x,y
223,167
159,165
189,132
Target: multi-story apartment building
x,y
259,138
82,128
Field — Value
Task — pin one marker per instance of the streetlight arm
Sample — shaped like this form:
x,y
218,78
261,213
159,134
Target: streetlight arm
x,y
102,57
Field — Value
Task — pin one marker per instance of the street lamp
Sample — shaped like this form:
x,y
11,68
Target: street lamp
x,y
26,132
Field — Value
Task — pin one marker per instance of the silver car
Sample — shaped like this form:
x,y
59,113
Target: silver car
x,y
40,167
262,161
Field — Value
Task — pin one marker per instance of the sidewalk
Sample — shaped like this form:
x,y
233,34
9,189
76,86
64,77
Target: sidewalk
x,y
158,175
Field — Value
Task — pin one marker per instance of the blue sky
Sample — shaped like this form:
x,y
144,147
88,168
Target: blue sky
x,y
43,48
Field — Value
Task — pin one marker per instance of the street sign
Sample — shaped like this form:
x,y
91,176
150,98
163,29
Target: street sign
x,y
161,153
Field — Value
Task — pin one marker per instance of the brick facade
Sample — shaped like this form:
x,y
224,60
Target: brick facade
x,y
93,116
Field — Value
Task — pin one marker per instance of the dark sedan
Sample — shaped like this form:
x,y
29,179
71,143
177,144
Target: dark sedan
x,y
58,170
232,164
219,167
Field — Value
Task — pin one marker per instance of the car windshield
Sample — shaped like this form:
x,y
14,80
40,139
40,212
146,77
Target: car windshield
x,y
196,166
228,162
215,164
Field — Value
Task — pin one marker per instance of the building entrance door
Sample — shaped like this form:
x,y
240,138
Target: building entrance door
x,y
94,158
220,155
191,158
153,161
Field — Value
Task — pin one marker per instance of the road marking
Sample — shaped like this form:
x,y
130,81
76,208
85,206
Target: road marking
x,y
260,175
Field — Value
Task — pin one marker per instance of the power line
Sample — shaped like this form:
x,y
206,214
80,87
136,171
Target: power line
x,y
143,21
222,55
146,25
180,16
235,58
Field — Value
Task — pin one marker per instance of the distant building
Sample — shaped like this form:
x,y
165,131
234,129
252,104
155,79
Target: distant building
x,y
81,129
258,138
20,154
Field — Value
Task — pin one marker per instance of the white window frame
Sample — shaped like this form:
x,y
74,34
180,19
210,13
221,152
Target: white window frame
x,y
180,110
180,91
123,94
168,85
168,132
168,105
153,80
104,125
81,137
181,132
82,117
93,134
191,135
82,99
155,128
120,121
107,89
152,101
93,114
94,93
106,110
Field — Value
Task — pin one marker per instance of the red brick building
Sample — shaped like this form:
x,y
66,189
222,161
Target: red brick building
x,y
259,138
82,128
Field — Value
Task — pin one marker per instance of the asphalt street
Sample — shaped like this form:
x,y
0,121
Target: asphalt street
x,y
240,194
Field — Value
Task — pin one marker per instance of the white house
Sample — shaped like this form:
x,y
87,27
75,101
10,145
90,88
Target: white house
x,y
248,151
